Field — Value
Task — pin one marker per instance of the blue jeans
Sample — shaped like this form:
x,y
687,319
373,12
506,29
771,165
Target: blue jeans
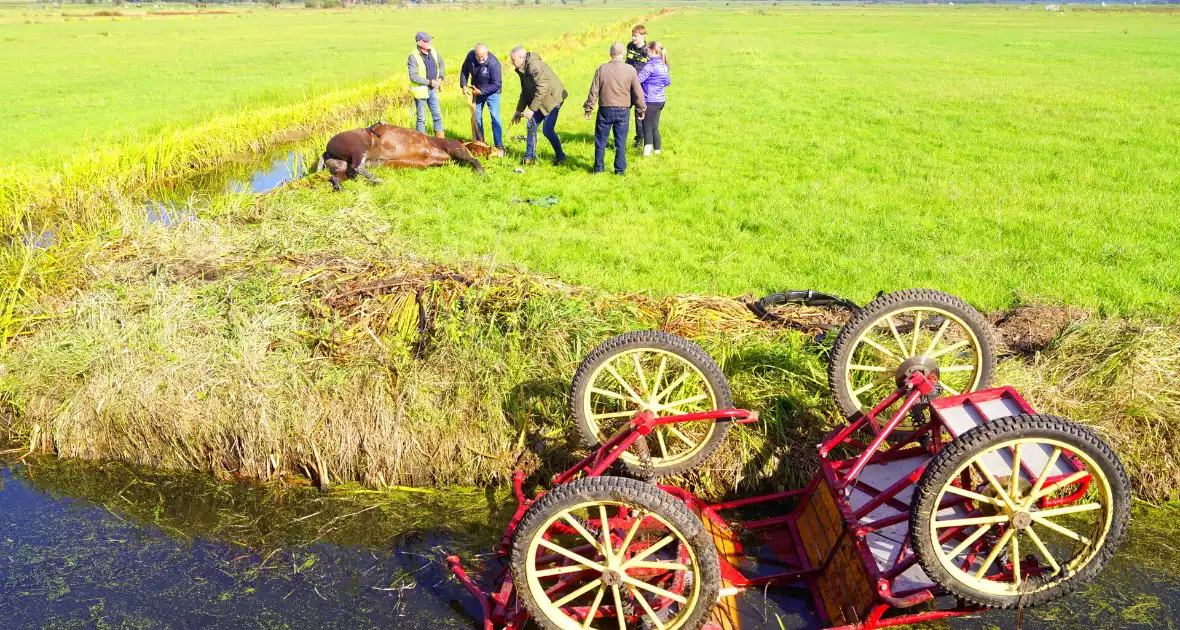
x,y
616,119
435,111
493,102
547,123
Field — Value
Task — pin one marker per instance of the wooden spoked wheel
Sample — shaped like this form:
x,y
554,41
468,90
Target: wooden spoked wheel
x,y
610,552
657,372
1026,507
905,331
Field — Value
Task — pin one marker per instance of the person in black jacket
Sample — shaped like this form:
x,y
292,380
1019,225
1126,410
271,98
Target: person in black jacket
x,y
637,58
482,69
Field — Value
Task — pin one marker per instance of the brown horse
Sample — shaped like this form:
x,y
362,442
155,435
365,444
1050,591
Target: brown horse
x,y
349,151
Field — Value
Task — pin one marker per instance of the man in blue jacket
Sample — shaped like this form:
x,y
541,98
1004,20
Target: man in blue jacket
x,y
483,70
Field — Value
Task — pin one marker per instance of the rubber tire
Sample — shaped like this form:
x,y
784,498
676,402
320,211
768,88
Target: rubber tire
x,y
959,451
632,492
842,350
677,345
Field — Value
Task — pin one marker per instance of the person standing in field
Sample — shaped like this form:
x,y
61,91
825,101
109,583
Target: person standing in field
x,y
637,58
541,96
426,78
654,77
483,70
615,89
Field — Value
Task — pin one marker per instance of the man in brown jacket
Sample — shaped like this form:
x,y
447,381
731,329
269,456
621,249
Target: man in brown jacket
x,y
615,89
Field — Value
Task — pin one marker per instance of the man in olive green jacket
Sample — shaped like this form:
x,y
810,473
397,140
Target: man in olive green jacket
x,y
541,96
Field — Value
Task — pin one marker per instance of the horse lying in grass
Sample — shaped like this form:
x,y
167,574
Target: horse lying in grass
x,y
349,151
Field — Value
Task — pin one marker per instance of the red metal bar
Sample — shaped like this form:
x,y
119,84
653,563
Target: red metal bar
x,y
737,503
890,492
848,430
740,416
864,458
457,569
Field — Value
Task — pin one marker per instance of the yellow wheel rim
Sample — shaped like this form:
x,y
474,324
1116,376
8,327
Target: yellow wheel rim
x,y
1000,536
643,565
658,381
937,334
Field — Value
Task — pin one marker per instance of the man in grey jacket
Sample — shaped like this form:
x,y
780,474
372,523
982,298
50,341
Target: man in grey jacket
x,y
426,70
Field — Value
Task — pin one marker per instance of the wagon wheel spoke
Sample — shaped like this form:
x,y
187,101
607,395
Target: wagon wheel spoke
x,y
578,593
604,527
619,614
613,414
685,401
872,384
631,532
870,368
610,394
937,337
917,332
970,541
676,432
643,555
667,566
594,607
639,371
1044,551
1069,509
576,557
882,349
897,336
995,553
957,368
994,483
950,348
672,387
680,599
1068,481
967,522
573,568
655,385
573,522
1042,477
1014,478
1068,533
661,443
610,368
651,614
974,496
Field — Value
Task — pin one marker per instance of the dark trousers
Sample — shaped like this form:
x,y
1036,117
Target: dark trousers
x,y
548,124
611,119
651,125
639,126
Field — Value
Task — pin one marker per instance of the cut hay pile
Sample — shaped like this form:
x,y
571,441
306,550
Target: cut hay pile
x,y
314,345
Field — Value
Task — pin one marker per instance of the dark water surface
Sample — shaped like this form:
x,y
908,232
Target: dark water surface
x,y
109,546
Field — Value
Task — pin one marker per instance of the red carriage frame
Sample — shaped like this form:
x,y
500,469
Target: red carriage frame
x,y
844,596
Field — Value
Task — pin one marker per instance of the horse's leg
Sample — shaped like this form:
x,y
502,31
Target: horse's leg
x,y
339,170
461,154
358,165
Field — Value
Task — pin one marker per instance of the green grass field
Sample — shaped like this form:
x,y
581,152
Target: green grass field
x,y
1000,154
995,153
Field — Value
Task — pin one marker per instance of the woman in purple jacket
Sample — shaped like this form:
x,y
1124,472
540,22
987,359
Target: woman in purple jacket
x,y
654,77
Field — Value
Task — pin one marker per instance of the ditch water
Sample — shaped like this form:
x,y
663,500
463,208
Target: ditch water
x,y
89,545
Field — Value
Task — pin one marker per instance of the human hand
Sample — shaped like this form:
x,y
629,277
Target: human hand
x,y
588,115
642,115
516,118
476,91
467,91
527,113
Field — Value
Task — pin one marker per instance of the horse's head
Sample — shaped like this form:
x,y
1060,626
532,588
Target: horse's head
x,y
483,150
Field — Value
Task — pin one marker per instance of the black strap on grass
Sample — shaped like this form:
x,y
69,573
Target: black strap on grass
x,y
806,297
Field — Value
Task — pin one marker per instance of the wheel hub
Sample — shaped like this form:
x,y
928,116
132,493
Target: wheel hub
x,y
915,364
612,577
1021,520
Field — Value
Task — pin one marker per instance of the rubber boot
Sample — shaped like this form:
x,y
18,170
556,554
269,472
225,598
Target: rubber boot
x,y
647,150
439,134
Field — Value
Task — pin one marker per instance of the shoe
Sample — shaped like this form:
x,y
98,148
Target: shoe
x,y
620,173
439,134
558,161
657,151
639,143
528,162
646,150
596,171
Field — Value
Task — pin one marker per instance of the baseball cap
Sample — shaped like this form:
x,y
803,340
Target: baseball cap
x,y
422,37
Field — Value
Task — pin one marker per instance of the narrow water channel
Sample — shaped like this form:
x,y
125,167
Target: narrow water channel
x,y
111,546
